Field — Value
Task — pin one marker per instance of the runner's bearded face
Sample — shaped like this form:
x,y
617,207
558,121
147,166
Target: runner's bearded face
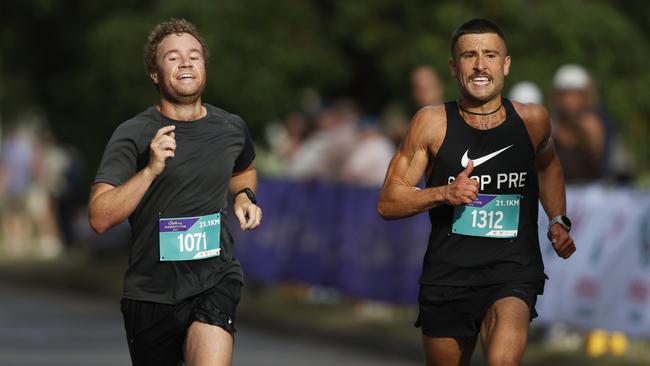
x,y
181,72
480,65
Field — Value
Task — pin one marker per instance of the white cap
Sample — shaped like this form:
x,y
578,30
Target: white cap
x,y
526,92
571,77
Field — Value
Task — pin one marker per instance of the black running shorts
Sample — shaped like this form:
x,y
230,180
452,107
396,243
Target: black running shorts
x,y
457,312
156,332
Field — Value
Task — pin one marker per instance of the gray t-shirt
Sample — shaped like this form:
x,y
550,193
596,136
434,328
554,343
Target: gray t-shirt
x,y
194,182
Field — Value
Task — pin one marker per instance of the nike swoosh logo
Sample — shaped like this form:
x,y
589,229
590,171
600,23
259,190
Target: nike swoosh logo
x,y
465,160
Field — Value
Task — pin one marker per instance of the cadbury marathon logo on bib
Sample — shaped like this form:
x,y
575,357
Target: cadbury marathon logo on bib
x,y
189,238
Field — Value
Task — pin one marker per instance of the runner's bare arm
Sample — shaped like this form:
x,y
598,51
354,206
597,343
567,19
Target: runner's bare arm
x,y
551,180
553,198
248,214
109,205
549,170
399,195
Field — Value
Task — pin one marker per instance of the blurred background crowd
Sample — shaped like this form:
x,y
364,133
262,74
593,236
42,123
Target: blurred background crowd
x,y
327,88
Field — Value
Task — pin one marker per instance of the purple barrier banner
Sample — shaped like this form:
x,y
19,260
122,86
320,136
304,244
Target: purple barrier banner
x,y
331,235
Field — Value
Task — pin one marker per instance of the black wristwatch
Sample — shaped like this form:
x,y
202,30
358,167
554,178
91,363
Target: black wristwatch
x,y
562,220
249,193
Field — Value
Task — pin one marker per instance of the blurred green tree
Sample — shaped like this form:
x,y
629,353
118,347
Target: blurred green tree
x,y
81,62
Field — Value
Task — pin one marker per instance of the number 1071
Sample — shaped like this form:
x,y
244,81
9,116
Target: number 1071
x,y
192,242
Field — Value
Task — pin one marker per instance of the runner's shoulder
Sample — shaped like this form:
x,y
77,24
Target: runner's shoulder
x,y
138,127
429,122
531,112
223,115
535,117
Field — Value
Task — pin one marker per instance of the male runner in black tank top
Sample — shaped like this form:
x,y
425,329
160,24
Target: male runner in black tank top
x,y
487,162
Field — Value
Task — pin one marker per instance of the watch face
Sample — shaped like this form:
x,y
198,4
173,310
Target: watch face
x,y
566,221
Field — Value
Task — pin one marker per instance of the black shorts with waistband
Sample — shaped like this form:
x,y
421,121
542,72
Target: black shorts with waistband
x,y
457,312
156,332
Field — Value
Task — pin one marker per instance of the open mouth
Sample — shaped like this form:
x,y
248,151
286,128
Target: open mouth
x,y
185,76
480,80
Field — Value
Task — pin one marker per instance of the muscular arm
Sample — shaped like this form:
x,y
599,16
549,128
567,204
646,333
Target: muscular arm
x,y
553,198
551,182
248,214
549,173
399,196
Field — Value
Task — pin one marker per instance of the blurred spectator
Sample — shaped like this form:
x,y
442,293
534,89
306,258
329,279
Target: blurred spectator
x,y
368,161
526,92
322,154
32,169
285,140
426,87
395,123
48,184
68,198
579,132
16,173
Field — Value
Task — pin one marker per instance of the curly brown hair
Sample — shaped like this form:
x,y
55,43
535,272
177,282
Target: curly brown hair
x,y
162,30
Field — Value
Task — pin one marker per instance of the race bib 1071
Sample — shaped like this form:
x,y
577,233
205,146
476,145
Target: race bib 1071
x,y
189,238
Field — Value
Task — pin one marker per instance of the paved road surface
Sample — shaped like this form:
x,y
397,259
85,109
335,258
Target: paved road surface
x,y
255,347
48,328
40,327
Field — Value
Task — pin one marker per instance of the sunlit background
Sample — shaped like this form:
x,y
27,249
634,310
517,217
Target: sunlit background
x,y
327,89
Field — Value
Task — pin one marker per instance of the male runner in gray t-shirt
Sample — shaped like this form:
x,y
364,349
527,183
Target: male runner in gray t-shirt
x,y
169,171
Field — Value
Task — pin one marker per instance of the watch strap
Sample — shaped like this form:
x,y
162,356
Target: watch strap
x,y
249,193
559,220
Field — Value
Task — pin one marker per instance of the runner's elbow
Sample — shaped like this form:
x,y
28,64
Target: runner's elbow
x,y
98,224
98,227
386,210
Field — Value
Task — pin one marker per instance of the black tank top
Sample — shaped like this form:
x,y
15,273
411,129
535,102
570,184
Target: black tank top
x,y
460,260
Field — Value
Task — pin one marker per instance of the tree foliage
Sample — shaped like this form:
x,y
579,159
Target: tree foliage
x,y
81,61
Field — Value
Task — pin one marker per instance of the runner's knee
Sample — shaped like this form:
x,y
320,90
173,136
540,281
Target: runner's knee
x,y
503,358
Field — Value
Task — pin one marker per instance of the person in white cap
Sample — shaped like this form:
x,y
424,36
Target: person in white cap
x,y
526,92
578,130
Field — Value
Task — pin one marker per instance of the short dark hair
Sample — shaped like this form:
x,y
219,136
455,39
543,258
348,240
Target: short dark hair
x,y
476,26
162,30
